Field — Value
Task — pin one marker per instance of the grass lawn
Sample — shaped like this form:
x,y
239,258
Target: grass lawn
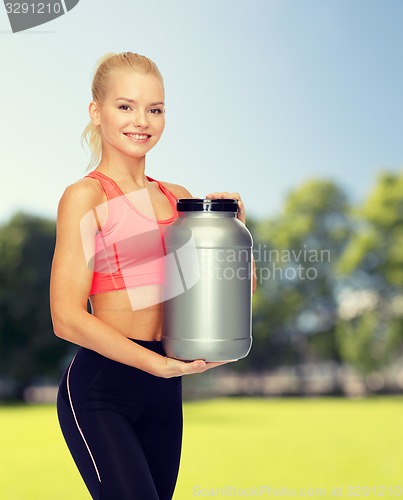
x,y
255,448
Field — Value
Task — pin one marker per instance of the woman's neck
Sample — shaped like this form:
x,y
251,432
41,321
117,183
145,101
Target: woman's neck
x,y
124,169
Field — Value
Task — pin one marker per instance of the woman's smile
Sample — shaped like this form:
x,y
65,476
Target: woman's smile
x,y
138,137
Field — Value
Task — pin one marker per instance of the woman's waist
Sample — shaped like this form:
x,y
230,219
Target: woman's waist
x,y
144,324
152,345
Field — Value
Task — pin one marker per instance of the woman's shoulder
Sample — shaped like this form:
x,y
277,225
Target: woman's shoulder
x,y
84,194
177,190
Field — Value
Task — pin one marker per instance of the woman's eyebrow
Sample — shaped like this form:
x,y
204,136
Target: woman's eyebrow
x,y
133,101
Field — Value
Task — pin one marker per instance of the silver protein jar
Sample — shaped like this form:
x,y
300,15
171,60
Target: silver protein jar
x,y
207,282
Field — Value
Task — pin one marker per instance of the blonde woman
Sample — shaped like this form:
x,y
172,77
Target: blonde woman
x,y
120,401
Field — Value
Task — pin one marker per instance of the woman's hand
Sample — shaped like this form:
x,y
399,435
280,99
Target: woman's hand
x,y
233,196
176,368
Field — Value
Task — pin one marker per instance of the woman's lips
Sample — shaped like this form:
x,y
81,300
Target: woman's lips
x,y
138,137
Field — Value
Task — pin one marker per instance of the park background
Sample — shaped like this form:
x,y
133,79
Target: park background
x,y
297,105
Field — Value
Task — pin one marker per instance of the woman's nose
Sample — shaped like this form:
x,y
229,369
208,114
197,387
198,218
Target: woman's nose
x,y
140,119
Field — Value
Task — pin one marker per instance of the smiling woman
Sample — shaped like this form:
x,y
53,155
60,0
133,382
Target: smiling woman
x,y
159,109
120,400
146,81
140,121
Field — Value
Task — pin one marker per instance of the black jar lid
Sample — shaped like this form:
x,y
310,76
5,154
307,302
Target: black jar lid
x,y
207,205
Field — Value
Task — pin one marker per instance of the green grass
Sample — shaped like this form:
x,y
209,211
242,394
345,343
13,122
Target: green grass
x,y
255,448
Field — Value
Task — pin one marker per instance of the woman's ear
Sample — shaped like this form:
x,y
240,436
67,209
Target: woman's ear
x,y
93,110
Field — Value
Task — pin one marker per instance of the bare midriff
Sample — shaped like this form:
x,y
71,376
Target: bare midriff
x,y
123,314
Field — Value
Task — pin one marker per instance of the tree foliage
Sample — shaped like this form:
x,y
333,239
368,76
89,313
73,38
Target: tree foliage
x,y
375,249
296,253
28,347
370,331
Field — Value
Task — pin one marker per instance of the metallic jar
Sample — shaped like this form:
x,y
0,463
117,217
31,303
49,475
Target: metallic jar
x,y
207,282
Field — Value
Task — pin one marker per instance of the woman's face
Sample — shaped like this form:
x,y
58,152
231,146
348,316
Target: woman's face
x,y
132,116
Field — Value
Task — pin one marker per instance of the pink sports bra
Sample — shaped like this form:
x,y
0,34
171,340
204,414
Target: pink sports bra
x,y
129,249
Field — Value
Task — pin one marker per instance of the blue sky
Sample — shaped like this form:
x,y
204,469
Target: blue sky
x,y
260,95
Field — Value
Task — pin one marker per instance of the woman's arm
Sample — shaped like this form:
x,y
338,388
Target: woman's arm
x,y
70,285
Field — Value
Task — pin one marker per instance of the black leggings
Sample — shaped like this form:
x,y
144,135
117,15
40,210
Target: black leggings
x,y
122,425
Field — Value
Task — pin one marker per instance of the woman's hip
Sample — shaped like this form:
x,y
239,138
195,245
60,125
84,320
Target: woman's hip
x,y
98,380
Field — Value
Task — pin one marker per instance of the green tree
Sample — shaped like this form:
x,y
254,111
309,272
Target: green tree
x,y
369,341
295,308
375,248
370,334
28,348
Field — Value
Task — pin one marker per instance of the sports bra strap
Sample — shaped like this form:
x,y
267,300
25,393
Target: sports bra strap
x,y
112,190
109,186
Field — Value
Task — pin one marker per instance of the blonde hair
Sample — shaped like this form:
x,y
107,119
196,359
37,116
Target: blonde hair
x,y
127,61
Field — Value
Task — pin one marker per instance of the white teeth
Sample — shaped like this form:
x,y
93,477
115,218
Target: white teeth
x,y
138,136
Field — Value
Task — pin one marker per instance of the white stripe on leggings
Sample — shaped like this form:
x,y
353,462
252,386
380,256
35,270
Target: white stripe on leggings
x,y
75,418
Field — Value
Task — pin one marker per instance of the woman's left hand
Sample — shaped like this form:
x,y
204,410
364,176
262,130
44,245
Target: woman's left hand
x,y
234,196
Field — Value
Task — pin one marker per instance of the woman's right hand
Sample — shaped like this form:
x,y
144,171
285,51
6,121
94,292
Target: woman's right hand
x,y
176,368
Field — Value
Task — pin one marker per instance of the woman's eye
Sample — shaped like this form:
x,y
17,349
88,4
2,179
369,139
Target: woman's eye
x,y
125,107
156,111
